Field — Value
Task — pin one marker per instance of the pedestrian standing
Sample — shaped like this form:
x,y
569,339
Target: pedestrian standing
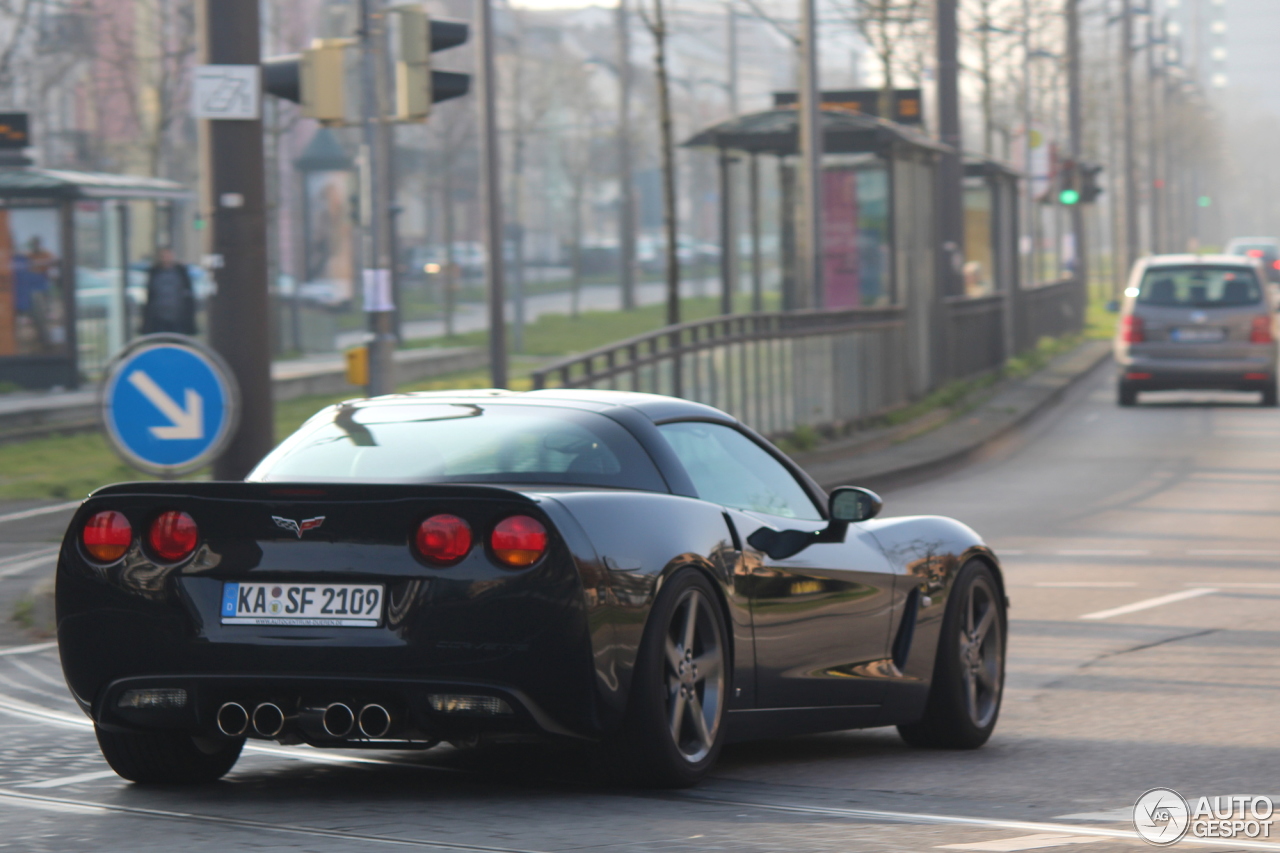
x,y
171,300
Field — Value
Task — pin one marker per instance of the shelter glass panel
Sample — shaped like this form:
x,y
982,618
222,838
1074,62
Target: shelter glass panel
x,y
979,238
32,313
855,234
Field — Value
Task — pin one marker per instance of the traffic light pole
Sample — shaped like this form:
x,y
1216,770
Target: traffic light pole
x,y
491,196
379,305
1075,120
235,194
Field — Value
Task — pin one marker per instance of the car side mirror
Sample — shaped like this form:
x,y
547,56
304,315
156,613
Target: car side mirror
x,y
851,503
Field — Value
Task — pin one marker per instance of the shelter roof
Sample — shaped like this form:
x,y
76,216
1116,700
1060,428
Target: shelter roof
x,y
33,182
776,131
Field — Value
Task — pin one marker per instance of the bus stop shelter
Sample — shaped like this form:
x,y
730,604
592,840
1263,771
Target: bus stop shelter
x,y
878,209
74,247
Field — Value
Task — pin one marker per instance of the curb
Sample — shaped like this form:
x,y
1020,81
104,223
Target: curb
x,y
955,442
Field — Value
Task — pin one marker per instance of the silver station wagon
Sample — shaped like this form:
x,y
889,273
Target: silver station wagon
x,y
1196,322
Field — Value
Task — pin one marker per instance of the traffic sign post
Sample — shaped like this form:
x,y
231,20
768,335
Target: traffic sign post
x,y
169,404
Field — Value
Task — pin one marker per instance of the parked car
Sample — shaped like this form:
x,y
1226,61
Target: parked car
x,y
637,571
1196,322
1265,249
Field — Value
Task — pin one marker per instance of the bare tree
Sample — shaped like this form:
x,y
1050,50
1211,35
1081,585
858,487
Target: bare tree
x,y
655,21
888,26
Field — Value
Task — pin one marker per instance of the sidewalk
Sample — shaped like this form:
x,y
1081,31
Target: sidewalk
x,y
906,453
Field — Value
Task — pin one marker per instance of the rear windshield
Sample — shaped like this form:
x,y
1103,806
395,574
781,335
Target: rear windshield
x,y
461,443
1199,287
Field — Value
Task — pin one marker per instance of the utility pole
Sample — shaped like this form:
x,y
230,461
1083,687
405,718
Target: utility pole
x,y
1131,239
950,166
1029,184
626,177
491,196
810,262
1075,121
235,192
379,305
1154,132
731,45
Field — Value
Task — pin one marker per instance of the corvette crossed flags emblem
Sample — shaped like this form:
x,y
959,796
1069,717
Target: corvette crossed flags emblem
x,y
298,527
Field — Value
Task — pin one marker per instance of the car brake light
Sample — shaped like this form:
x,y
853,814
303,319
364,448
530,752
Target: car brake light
x,y
1260,333
107,536
1255,253
173,535
443,538
1131,331
1137,376
519,541
1258,376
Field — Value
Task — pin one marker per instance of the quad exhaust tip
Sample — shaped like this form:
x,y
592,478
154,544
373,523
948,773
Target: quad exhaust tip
x,y
374,721
268,719
233,719
338,720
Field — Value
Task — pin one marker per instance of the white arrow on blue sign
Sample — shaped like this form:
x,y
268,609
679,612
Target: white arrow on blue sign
x,y
169,404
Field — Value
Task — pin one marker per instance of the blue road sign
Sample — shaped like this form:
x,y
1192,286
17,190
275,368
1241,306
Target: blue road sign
x,y
169,404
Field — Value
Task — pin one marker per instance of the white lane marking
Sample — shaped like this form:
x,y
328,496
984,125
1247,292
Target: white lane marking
x,y
39,801
1010,552
1038,841
1086,584
1242,585
1147,604
26,555
1103,552
1231,552
30,711
1113,816
29,650
71,780
37,674
38,511
27,565
957,820
50,804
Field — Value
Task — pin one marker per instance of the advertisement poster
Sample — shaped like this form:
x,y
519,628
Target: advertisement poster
x,y
330,239
32,320
840,238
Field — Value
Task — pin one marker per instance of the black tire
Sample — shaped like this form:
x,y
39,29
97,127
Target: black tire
x,y
1269,396
168,758
966,670
1127,395
675,681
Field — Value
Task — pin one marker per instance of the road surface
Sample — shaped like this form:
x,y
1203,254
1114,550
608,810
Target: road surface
x,y
1140,548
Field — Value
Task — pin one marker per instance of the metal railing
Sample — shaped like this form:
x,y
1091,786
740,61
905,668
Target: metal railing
x,y
782,370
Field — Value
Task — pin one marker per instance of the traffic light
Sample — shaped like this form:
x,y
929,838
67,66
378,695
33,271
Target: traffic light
x,y
1088,182
325,78
1068,183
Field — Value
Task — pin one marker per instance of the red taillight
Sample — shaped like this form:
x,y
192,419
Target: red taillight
x,y
1255,253
1260,333
1137,376
1258,376
1275,265
173,535
1131,331
519,541
106,536
444,538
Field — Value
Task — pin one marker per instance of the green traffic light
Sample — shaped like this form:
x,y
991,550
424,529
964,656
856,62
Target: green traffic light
x,y
1069,197
1205,201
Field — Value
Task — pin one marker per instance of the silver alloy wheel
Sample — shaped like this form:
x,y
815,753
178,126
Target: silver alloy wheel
x,y
694,674
981,653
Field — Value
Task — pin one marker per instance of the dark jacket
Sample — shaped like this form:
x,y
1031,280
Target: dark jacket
x,y
182,317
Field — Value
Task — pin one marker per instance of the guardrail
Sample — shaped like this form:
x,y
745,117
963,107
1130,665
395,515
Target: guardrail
x,y
782,370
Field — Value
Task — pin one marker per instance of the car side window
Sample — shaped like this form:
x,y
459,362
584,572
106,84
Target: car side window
x,y
730,469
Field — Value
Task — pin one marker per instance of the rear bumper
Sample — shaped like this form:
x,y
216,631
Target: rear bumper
x,y
1198,374
415,718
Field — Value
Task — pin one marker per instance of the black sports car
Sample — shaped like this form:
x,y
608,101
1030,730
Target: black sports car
x,y
634,571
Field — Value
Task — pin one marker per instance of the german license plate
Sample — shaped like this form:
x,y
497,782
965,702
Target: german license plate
x,y
302,604
1199,335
